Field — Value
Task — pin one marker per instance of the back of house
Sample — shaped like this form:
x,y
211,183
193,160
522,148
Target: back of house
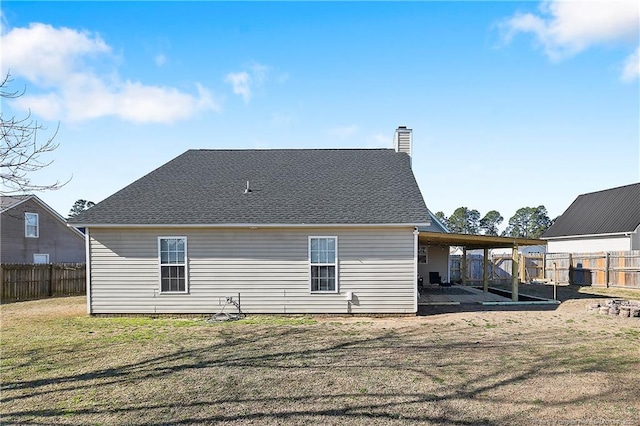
x,y
288,231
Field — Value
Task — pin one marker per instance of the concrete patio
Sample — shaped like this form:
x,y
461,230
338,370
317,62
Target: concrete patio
x,y
455,295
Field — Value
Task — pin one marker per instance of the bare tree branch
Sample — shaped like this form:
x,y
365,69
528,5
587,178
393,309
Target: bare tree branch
x,y
20,149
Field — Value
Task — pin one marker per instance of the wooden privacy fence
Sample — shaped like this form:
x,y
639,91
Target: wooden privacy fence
x,y
609,269
32,281
530,267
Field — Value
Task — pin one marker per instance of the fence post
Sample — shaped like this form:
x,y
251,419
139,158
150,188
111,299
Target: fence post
x,y
570,269
50,279
606,270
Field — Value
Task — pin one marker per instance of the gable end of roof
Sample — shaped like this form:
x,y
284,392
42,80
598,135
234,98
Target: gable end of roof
x,y
610,211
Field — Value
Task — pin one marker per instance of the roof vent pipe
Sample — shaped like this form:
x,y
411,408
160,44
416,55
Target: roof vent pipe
x,y
247,189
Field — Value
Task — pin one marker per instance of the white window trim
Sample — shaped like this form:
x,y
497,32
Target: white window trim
x,y
186,265
26,225
41,254
335,264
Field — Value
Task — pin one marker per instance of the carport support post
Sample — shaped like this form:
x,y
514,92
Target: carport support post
x,y
485,271
514,274
464,266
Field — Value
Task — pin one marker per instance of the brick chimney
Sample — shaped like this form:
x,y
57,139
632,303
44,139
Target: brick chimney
x,y
402,140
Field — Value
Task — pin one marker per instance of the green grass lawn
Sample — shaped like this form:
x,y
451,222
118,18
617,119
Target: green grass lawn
x,y
566,366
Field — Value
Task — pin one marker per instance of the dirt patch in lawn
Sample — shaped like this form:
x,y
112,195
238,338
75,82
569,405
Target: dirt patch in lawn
x,y
565,292
566,366
36,310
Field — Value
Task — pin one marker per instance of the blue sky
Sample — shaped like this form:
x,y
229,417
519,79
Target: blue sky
x,y
512,104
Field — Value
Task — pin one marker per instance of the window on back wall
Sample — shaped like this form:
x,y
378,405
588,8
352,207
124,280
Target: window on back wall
x,y
31,225
323,255
40,258
423,254
173,264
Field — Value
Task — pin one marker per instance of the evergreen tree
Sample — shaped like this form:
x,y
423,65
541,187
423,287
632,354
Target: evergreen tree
x,y
79,206
528,222
489,223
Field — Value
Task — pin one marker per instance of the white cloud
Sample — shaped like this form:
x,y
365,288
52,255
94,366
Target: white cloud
x,y
343,132
631,68
379,140
259,72
66,62
565,28
160,59
45,55
243,82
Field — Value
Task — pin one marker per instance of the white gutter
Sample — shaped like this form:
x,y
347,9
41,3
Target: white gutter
x,y
249,225
564,237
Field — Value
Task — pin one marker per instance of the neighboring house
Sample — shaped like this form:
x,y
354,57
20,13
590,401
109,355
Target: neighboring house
x,y
32,232
606,220
522,250
291,231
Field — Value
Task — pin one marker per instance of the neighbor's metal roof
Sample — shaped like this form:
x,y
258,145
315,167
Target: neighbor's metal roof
x,y
610,211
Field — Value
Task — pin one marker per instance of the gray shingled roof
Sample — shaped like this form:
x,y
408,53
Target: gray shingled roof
x,y
8,201
317,186
435,226
604,212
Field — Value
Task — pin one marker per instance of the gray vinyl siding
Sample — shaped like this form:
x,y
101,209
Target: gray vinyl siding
x,y
60,242
268,267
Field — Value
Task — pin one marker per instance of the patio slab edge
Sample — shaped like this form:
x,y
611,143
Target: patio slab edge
x,y
531,302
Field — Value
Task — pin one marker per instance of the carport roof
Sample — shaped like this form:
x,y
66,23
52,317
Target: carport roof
x,y
477,241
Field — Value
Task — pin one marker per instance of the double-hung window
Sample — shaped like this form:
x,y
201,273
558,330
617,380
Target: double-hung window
x,y
173,264
31,225
323,255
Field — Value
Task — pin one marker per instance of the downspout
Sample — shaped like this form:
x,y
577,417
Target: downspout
x,y
415,270
87,249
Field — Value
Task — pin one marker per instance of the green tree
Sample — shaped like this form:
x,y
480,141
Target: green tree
x,y
442,218
79,206
464,221
489,223
528,222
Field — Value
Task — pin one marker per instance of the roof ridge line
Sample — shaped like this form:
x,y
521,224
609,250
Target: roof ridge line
x,y
287,149
611,189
